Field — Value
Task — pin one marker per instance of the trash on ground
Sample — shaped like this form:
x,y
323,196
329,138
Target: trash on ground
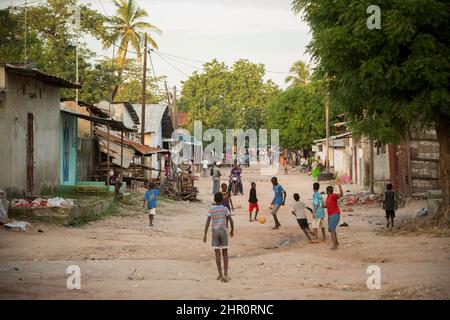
x,y
41,202
364,197
135,275
422,212
17,225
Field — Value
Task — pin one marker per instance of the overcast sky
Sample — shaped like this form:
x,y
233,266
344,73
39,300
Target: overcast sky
x,y
263,31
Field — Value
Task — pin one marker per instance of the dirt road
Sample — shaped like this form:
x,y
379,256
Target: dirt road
x,y
264,263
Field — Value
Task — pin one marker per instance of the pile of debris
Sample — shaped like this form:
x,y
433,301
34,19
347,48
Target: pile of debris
x,y
42,202
180,187
360,198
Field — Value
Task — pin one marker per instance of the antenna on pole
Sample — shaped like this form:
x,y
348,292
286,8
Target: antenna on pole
x,y
25,38
75,21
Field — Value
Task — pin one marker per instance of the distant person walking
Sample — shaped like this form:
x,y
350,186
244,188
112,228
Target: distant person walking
x,y
315,170
215,178
151,197
205,167
390,205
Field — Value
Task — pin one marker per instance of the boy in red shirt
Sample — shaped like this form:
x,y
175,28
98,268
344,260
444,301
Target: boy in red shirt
x,y
333,212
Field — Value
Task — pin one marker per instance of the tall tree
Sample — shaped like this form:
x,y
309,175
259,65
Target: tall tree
x,y
127,28
390,80
225,98
299,75
299,114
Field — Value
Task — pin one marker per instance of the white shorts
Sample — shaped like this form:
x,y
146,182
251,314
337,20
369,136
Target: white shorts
x,y
316,223
152,211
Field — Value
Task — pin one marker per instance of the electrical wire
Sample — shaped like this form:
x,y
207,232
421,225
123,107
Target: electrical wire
x,y
175,67
181,62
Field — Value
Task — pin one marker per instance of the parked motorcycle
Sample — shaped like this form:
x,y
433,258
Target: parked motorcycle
x,y
234,184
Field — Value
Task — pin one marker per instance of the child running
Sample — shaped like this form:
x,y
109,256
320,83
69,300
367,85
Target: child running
x,y
151,196
253,203
318,213
333,212
279,200
298,210
227,202
390,205
218,216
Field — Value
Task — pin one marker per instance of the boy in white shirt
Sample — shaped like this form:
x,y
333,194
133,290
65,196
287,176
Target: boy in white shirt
x,y
298,210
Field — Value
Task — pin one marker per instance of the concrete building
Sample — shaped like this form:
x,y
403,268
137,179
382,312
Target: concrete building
x,y
30,123
345,155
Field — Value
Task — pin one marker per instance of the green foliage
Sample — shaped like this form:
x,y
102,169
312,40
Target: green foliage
x,y
223,97
52,45
299,114
390,80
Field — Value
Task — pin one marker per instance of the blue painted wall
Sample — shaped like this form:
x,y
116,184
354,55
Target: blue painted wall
x,y
68,149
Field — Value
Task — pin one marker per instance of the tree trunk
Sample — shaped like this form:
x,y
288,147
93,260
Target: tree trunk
x,y
119,76
371,167
443,135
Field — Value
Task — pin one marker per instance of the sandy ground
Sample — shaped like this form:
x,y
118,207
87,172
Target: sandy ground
x,y
264,263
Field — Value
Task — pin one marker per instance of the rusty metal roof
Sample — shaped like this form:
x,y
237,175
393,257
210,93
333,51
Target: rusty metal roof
x,y
140,148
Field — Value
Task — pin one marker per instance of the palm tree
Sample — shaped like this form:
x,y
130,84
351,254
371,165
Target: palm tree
x,y
127,29
299,74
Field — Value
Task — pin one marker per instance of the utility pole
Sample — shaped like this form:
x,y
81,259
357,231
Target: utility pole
x,y
144,78
169,104
327,132
175,108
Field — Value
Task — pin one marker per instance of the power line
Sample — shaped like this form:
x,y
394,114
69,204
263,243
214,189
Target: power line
x,y
184,58
101,4
175,67
172,56
184,63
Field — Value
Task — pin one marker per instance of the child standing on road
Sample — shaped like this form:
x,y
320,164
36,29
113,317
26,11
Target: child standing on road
x,y
218,216
253,203
390,204
227,202
318,213
333,212
298,210
151,196
279,200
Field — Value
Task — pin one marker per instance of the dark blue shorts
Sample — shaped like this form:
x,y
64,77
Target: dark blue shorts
x,y
333,221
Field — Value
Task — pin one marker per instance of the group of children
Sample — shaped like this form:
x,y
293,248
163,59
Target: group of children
x,y
219,216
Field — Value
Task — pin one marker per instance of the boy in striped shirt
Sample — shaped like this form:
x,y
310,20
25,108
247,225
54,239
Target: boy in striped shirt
x,y
218,216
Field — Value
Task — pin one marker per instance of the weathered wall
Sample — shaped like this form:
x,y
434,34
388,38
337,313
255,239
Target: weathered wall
x,y
68,149
44,104
424,152
381,171
85,158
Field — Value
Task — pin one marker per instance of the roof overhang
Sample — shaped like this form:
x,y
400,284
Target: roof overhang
x,y
39,75
113,124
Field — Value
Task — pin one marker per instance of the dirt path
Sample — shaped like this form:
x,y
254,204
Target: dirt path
x,y
264,264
